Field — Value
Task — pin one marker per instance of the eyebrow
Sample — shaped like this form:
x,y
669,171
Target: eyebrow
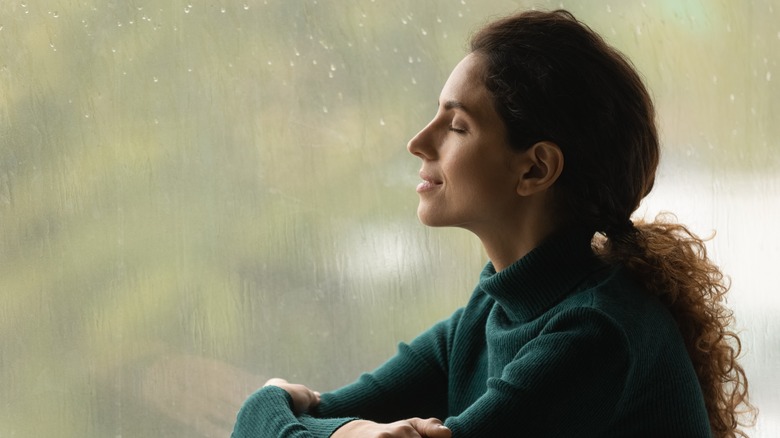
x,y
454,104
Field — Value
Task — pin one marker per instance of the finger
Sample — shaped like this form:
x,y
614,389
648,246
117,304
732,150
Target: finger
x,y
275,382
303,398
430,428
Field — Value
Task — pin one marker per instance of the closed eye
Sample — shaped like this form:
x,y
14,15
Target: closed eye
x,y
457,130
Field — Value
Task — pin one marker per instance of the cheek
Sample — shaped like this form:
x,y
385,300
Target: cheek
x,y
488,177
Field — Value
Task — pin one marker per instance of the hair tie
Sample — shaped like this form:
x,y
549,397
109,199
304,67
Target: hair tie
x,y
623,229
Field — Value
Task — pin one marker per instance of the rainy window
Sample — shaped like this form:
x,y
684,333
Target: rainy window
x,y
198,196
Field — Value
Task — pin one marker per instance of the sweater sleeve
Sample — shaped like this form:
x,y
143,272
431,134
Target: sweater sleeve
x,y
412,383
565,382
268,414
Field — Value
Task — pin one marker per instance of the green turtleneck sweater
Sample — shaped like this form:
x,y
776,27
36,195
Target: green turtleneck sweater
x,y
557,344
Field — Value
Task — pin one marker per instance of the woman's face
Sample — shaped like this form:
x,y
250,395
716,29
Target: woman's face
x,y
467,163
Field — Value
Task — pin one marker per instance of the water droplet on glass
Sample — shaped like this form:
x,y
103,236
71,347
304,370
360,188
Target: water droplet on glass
x,y
325,109
609,9
246,7
424,32
414,81
381,122
223,10
187,9
438,20
314,61
732,97
403,20
714,79
769,76
154,78
411,60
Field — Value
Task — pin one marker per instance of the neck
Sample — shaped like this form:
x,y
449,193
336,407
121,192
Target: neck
x,y
508,245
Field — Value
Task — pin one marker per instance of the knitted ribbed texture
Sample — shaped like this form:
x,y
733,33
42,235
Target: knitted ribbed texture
x,y
557,344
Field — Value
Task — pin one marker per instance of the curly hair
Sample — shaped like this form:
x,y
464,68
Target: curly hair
x,y
552,78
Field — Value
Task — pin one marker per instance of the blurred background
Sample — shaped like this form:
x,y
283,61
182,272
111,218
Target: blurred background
x,y
196,196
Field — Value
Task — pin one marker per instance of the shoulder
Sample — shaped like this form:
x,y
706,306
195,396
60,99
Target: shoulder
x,y
616,293
615,298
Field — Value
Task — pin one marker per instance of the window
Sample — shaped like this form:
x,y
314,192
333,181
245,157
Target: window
x,y
195,197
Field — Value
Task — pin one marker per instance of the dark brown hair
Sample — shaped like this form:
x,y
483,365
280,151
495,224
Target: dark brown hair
x,y
552,78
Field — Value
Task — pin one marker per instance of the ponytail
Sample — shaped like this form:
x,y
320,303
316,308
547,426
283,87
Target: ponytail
x,y
672,263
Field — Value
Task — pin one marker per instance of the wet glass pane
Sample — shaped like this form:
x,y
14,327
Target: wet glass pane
x,y
197,196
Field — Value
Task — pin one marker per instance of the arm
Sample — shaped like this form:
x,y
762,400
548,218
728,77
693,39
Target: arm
x,y
411,384
271,412
302,399
565,382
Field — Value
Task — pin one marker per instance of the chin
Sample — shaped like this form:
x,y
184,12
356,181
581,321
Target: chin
x,y
430,218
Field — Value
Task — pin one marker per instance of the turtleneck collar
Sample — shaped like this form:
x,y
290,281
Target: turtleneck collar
x,y
543,277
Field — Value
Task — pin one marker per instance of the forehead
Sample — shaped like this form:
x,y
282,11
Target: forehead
x,y
466,85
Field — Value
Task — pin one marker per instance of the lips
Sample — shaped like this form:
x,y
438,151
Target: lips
x,y
429,182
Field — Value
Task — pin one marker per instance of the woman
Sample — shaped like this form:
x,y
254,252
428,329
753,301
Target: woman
x,y
582,323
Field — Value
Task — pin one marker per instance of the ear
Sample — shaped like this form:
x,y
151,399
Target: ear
x,y
540,167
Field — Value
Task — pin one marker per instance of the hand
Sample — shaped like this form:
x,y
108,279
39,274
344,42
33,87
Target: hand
x,y
411,428
303,397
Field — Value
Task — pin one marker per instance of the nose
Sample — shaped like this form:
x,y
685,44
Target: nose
x,y
420,145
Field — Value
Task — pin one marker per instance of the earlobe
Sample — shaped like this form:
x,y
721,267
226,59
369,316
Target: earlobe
x,y
542,165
